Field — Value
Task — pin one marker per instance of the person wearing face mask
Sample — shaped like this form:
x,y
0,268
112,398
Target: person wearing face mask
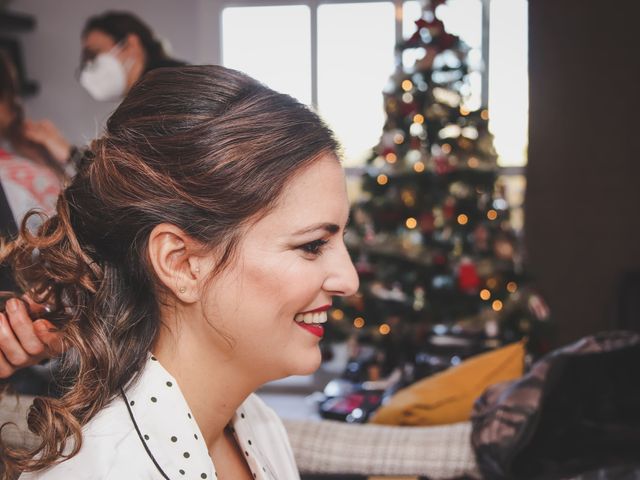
x,y
117,50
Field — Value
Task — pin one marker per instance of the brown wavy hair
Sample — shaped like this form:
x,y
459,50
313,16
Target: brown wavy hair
x,y
205,148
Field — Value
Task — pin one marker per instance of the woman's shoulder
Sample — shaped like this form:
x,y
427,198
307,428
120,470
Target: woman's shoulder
x,y
110,444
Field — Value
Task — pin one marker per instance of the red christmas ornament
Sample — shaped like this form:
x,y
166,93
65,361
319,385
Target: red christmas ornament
x,y
468,279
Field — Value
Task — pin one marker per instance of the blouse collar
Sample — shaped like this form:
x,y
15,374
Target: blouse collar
x,y
170,435
165,425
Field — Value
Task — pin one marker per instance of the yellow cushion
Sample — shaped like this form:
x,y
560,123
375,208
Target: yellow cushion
x,y
448,397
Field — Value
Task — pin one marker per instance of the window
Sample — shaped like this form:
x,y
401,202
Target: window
x,y
272,44
338,56
508,81
355,59
354,48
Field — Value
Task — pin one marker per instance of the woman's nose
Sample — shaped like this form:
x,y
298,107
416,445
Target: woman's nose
x,y
342,278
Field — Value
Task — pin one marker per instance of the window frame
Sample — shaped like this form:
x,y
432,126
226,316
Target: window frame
x,y
313,6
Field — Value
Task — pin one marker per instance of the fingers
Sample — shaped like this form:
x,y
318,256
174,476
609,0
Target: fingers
x,y
44,329
20,344
13,355
34,307
23,329
6,369
49,336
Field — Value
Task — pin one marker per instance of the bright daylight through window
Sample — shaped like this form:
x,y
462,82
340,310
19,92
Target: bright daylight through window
x,y
341,55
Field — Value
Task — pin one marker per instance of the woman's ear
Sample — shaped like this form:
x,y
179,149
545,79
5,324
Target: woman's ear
x,y
173,255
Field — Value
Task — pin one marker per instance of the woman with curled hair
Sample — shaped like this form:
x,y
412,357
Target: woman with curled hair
x,y
192,259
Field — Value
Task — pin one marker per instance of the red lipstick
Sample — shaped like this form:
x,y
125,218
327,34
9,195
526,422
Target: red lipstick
x,y
315,329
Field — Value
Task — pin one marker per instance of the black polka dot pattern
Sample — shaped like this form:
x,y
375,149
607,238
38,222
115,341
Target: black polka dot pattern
x,y
175,441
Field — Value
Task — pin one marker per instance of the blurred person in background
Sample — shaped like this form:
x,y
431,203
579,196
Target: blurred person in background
x,y
29,178
29,175
117,50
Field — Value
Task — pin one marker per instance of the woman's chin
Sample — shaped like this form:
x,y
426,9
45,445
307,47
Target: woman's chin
x,y
307,364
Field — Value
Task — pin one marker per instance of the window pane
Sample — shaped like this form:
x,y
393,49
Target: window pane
x,y
464,19
272,44
353,67
508,80
411,11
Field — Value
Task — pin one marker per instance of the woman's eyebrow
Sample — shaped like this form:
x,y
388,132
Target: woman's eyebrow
x,y
327,227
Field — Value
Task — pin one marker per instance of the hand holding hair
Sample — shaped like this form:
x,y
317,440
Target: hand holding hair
x,y
23,341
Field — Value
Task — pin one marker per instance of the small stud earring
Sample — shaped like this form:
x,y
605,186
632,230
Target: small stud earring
x,y
197,269
182,289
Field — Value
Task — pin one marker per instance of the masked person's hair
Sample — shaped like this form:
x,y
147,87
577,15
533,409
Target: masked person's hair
x,y
120,24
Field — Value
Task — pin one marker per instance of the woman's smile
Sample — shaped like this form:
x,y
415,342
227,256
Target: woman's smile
x,y
312,320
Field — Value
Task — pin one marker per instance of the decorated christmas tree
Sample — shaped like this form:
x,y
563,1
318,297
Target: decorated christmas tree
x,y
440,265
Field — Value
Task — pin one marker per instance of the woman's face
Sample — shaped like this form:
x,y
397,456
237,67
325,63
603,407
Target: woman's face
x,y
290,263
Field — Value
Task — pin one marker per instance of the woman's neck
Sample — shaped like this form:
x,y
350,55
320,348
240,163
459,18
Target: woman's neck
x,y
212,384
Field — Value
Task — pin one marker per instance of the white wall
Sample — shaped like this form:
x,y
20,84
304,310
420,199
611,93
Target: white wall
x,y
52,51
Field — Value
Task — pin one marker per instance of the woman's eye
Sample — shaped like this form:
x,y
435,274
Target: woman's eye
x,y
314,248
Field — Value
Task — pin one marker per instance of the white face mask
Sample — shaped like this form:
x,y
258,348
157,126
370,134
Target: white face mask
x,y
105,77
